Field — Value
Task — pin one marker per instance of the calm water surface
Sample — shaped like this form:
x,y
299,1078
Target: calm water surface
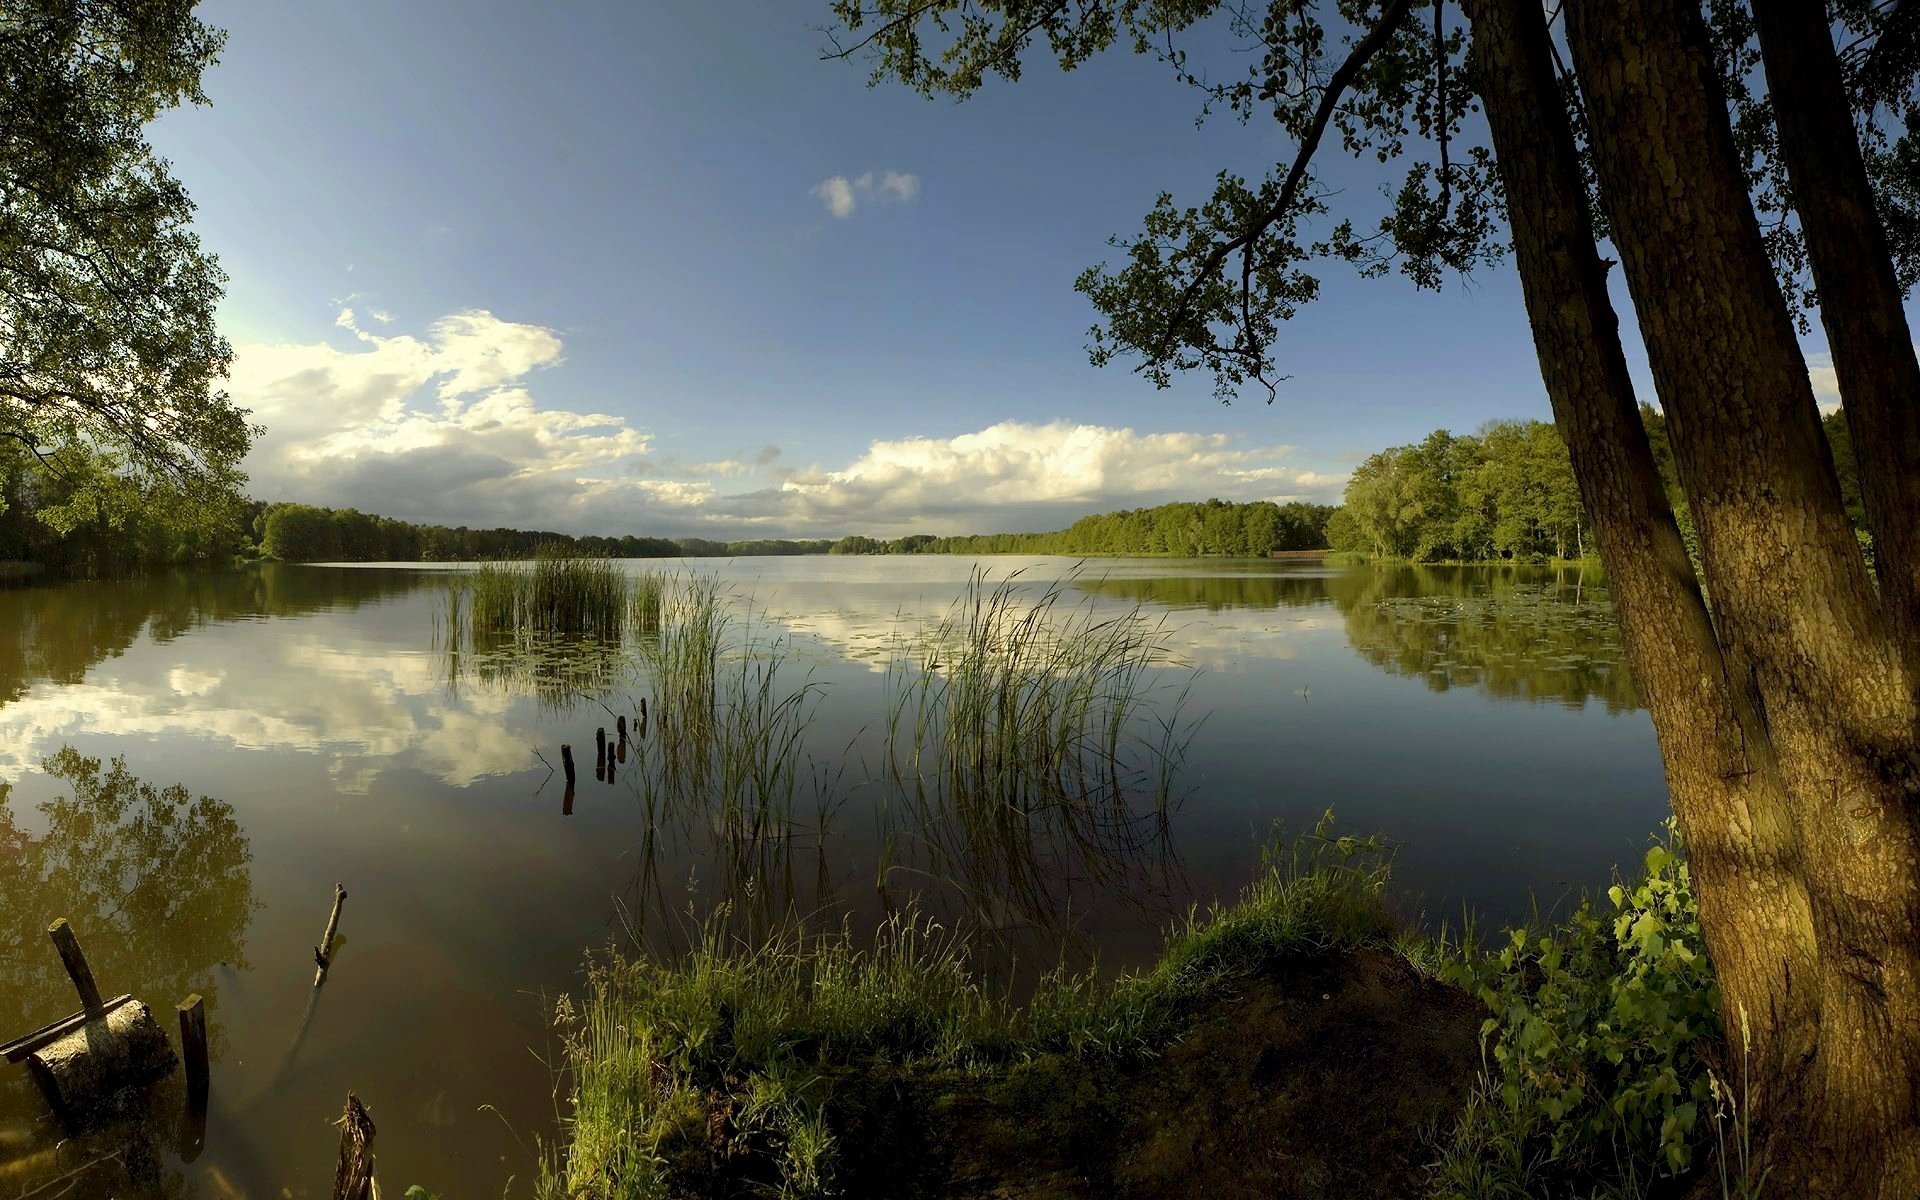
x,y
321,733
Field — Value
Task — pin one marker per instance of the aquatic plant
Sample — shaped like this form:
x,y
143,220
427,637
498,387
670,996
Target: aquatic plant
x,y
1022,732
557,591
649,590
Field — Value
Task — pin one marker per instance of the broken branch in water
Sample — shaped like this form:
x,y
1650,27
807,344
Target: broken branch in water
x,y
323,953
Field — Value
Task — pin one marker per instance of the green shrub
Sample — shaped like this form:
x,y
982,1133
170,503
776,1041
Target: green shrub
x,y
1596,1049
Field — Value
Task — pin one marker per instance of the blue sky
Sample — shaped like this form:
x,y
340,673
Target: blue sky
x,y
578,266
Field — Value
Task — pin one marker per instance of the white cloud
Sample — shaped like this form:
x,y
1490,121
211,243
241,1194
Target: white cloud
x,y
1826,384
446,427
899,186
439,427
842,195
1018,476
838,194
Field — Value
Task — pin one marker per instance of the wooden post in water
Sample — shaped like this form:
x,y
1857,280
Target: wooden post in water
x,y
566,800
620,726
600,754
77,968
323,953
566,762
193,1048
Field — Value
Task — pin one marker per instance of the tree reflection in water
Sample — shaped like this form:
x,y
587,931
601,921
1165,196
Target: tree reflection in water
x,y
1537,634
158,884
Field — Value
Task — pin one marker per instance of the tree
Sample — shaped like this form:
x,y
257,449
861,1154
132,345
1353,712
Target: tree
x,y
1787,713
105,293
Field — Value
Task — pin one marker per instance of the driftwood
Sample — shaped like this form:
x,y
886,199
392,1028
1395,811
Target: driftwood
x,y
353,1176
16,1051
323,953
85,1069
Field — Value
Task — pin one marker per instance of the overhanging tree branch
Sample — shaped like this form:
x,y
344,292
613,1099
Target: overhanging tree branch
x,y
1247,242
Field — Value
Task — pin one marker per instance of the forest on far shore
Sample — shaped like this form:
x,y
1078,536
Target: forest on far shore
x,y
1505,493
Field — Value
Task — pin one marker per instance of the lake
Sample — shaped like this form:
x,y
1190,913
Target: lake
x,y
327,724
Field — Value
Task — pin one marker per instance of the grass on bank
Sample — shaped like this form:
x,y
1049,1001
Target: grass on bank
x,y
658,1049
1605,1072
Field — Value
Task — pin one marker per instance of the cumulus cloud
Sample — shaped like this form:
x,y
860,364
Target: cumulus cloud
x,y
842,195
1020,476
439,427
445,426
838,194
898,186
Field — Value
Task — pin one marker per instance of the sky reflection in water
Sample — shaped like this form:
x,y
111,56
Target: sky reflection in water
x,y
322,732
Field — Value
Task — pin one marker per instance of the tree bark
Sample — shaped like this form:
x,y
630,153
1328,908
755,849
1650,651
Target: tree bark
x,y
1794,609
1861,305
1725,787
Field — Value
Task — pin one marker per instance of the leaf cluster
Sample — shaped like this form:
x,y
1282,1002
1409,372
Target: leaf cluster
x,y
106,297
1598,1038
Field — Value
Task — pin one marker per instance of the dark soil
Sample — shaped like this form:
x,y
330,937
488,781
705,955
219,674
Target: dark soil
x,y
1325,1078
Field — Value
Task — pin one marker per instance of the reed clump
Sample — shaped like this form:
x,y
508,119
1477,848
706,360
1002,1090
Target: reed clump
x,y
1027,701
649,590
557,591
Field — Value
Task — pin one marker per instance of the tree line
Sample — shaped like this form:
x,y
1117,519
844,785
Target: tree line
x,y
1181,530
308,533
1508,492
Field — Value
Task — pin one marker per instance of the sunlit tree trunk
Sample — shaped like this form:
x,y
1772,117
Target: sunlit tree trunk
x,y
1793,607
1725,786
1860,301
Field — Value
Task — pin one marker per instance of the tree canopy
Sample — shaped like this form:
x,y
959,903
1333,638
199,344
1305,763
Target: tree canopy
x,y
106,296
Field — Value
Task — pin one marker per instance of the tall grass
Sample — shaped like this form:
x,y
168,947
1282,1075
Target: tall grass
x,y
741,1038
727,757
1028,736
683,658
555,592
648,595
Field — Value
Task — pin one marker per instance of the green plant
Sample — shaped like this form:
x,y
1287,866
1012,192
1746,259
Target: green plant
x,y
1596,1046
726,1060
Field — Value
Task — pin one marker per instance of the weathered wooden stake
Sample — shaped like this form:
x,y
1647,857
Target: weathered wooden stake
x,y
77,968
620,727
323,953
566,800
566,761
600,741
353,1176
609,767
193,1048
643,710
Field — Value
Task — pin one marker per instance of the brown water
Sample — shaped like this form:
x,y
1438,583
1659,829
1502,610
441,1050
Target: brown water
x,y
313,729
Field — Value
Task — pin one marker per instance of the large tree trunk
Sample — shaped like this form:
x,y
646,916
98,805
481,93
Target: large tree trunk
x,y
1725,787
1860,301
1793,606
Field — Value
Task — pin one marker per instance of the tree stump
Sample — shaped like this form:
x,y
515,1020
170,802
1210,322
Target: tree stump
x,y
353,1175
83,1072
